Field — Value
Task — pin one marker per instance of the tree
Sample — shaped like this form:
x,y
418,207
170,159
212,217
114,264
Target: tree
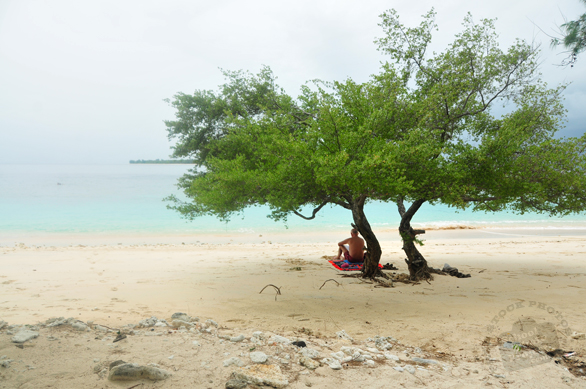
x,y
573,38
419,131
475,159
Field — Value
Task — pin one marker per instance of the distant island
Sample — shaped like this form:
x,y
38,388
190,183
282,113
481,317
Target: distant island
x,y
163,161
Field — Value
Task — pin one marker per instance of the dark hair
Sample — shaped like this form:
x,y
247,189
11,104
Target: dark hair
x,y
354,231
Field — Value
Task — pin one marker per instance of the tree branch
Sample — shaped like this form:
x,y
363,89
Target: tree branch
x,y
315,211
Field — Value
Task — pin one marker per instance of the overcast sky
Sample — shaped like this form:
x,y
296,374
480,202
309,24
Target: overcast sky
x,y
83,81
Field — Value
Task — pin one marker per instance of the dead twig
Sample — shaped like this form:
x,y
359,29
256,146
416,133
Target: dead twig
x,y
134,386
276,288
331,279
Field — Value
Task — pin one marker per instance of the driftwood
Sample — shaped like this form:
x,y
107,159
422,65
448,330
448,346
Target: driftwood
x,y
276,288
331,279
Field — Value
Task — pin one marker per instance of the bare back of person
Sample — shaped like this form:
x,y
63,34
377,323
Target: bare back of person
x,y
354,252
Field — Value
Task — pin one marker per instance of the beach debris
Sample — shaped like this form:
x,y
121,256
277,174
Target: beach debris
x,y
333,363
276,288
258,335
391,357
279,339
23,335
299,343
382,343
123,371
269,375
258,357
184,317
454,271
331,279
233,361
80,326
119,338
237,339
234,383
309,363
180,323
389,266
310,353
343,335
3,324
575,335
211,322
424,361
150,322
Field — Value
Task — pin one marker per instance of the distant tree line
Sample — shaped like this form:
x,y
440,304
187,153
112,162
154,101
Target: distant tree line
x,y
162,161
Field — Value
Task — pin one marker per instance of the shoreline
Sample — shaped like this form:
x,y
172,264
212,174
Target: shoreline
x,y
58,239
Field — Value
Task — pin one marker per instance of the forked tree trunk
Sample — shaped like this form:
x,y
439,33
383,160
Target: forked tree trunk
x,y
418,269
370,267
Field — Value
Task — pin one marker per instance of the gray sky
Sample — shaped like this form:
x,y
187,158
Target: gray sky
x,y
83,81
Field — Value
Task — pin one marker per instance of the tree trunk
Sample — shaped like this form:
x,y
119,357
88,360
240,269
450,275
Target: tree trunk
x,y
418,269
370,267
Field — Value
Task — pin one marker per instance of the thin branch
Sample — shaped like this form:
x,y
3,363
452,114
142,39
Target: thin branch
x,y
315,211
276,288
331,279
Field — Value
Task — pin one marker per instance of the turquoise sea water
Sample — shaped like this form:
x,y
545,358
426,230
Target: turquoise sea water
x,y
128,199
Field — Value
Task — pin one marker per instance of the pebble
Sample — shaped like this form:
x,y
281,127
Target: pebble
x,y
309,353
258,357
279,339
334,364
498,376
238,338
196,343
132,371
258,335
233,361
399,369
410,369
80,326
391,357
369,363
148,322
181,316
309,363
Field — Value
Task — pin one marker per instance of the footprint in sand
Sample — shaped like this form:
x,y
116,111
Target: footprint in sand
x,y
114,289
9,282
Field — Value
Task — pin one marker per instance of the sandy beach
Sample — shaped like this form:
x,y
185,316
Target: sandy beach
x,y
459,324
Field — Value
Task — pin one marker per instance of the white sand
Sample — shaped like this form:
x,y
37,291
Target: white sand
x,y
115,285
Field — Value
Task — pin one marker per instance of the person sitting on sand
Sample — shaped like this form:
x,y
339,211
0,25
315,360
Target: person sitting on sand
x,y
353,248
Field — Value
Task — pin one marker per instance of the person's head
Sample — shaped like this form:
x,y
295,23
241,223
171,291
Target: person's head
x,y
354,232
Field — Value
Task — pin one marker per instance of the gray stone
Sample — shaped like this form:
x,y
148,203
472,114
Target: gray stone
x,y
391,357
238,338
79,326
258,335
211,322
269,375
151,321
370,363
258,357
181,316
309,363
233,361
177,323
3,324
279,339
132,371
399,369
334,364
339,355
234,383
55,321
309,352
425,361
410,369
23,335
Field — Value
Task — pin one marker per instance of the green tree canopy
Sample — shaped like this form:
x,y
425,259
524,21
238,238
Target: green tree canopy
x,y
419,131
573,38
